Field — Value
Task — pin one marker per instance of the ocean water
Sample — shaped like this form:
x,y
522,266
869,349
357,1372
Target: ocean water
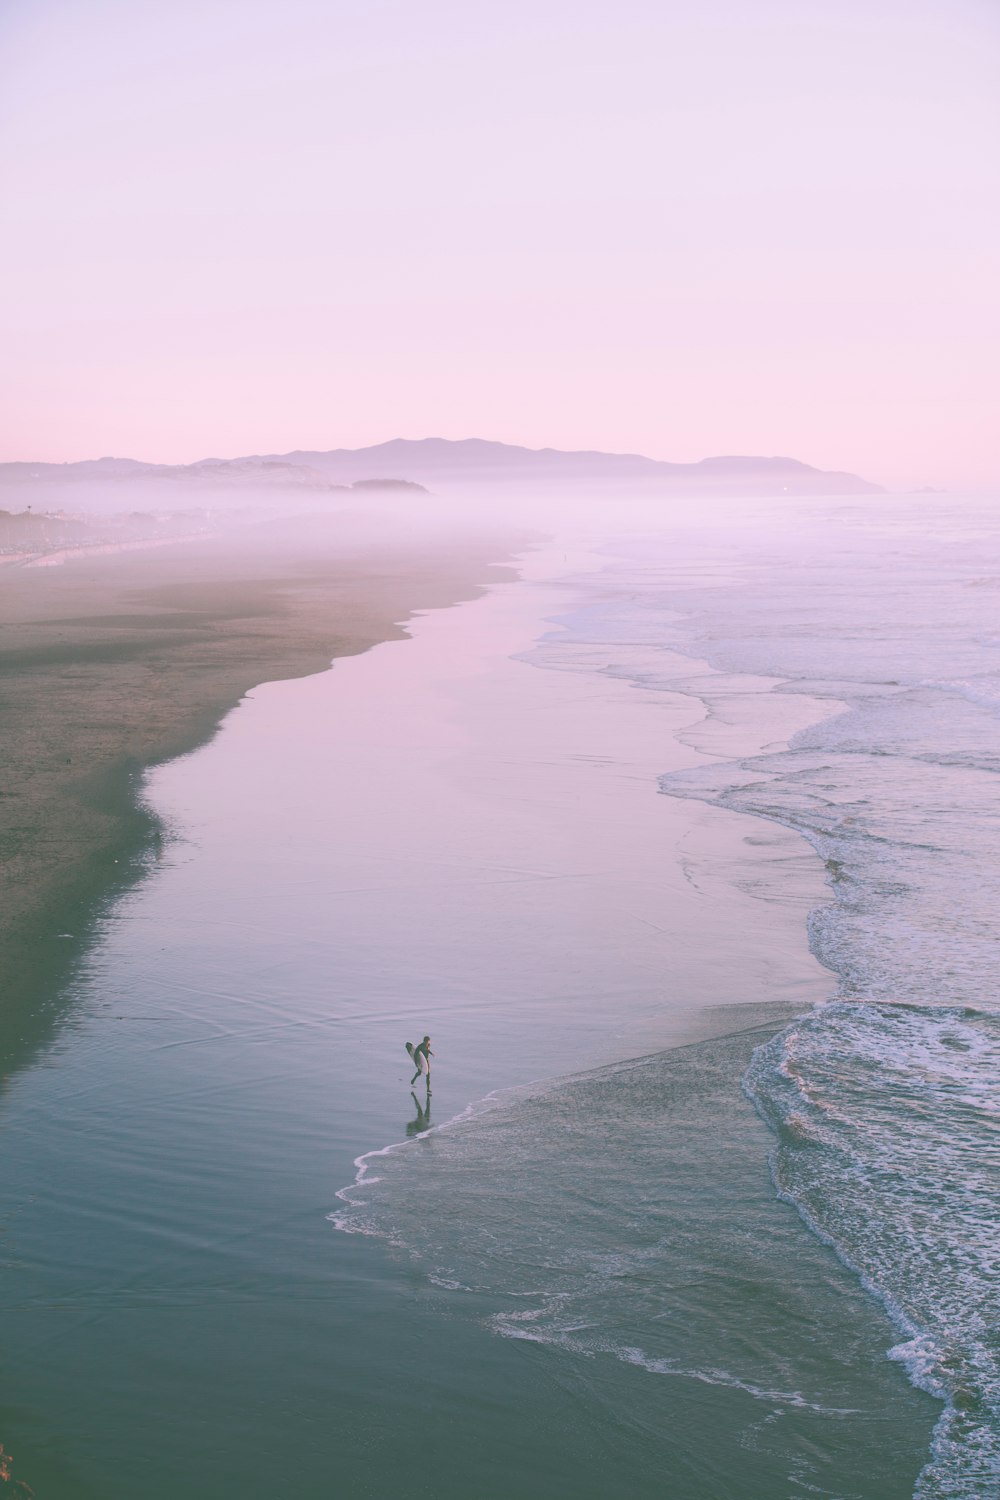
x,y
684,852
622,1224
887,1104
882,1102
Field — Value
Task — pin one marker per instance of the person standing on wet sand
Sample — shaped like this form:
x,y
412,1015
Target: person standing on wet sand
x,y
421,1055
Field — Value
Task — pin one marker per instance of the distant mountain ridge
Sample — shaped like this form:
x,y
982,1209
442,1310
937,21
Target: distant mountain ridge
x,y
450,461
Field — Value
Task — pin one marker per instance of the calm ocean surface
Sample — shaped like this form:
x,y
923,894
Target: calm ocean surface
x,y
708,1216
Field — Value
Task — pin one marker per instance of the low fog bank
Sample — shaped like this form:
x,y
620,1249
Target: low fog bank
x,y
62,521
69,519
423,483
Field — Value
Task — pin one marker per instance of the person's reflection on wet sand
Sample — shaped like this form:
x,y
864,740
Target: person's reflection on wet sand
x,y
423,1120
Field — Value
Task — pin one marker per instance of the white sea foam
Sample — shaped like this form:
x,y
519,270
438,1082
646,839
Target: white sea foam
x,y
353,1219
733,1382
902,1182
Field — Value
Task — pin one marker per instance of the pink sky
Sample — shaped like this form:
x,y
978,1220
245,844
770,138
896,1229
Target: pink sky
x,y
743,226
